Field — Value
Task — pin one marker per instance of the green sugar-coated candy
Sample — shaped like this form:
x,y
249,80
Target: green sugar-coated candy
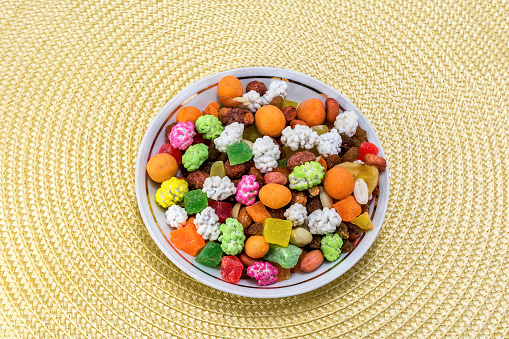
x,y
217,169
210,255
209,126
195,156
331,246
239,153
287,257
195,201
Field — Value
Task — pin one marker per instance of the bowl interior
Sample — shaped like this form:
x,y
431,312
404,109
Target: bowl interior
x,y
199,95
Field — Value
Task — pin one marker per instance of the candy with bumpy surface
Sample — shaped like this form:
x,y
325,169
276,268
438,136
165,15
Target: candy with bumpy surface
x,y
209,126
247,189
331,246
218,188
264,272
266,153
207,224
347,123
230,135
195,201
299,137
239,153
210,255
171,192
195,156
324,221
277,88
277,231
255,101
297,214
231,268
287,257
181,135
176,216
187,240
306,176
232,236
330,143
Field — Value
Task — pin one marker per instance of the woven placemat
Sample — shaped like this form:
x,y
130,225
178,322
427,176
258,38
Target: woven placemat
x,y
81,80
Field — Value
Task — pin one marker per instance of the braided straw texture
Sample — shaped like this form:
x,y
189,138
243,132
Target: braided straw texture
x,y
81,80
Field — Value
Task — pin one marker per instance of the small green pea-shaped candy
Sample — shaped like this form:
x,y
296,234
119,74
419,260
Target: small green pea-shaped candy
x,y
209,126
331,246
195,156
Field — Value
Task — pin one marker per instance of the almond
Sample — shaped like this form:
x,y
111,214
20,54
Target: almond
x,y
312,261
375,160
275,178
332,109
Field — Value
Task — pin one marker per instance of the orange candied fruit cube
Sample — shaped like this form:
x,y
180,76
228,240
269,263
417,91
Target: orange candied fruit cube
x,y
348,208
187,240
258,212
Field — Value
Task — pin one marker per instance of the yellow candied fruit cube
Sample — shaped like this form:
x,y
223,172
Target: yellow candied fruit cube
x,y
363,221
277,231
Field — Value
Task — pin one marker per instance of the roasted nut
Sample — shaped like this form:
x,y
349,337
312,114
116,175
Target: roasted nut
x,y
332,109
299,158
275,178
256,86
235,171
312,261
232,102
375,160
247,260
350,155
314,191
297,122
256,172
277,101
284,171
299,198
197,178
290,113
228,116
332,160
300,237
244,218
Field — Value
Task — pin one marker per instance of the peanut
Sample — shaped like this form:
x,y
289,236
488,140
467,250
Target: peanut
x,y
275,178
375,160
332,109
247,260
312,261
300,237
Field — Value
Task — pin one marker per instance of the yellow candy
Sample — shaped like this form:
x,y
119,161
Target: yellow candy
x,y
363,221
171,192
277,231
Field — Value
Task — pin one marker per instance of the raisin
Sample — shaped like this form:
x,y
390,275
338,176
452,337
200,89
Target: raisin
x,y
205,167
276,213
255,229
347,246
332,160
213,152
256,172
350,155
316,242
314,204
299,198
342,230
277,101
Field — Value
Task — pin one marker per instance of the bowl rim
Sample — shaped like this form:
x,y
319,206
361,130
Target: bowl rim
x,y
284,291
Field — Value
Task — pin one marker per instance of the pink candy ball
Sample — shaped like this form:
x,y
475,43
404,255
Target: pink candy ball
x,y
247,189
181,135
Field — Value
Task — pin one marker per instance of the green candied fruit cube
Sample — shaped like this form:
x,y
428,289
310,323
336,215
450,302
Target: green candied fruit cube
x,y
251,133
290,103
217,169
239,153
195,201
287,257
320,129
281,163
277,231
210,255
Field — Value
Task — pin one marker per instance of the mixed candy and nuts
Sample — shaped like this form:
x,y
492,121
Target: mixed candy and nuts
x,y
268,187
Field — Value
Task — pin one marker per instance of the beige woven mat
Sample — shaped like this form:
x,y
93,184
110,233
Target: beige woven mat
x,y
81,80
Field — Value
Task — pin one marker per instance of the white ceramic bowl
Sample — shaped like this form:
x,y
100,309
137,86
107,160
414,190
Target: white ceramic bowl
x,y
200,94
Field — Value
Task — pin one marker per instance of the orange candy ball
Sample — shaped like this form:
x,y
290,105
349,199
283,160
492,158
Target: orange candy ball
x,y
162,167
230,86
338,182
311,111
256,246
188,113
269,120
275,196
